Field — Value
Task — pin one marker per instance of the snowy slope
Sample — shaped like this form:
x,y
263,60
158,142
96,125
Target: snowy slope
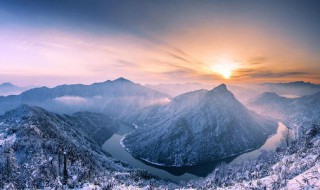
x,y
293,166
41,149
197,127
35,143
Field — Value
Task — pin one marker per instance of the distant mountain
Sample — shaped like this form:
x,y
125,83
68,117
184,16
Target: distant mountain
x,y
7,85
10,89
246,93
292,89
177,89
117,98
197,127
270,104
302,111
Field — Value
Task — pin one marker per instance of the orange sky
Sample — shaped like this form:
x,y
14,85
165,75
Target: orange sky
x,y
200,46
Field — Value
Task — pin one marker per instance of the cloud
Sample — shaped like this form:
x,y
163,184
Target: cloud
x,y
125,63
71,100
160,101
270,74
263,73
61,57
181,58
257,60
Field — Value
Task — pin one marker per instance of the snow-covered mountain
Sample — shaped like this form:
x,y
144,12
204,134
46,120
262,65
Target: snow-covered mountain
x,y
10,89
292,166
40,149
197,127
38,142
243,93
302,111
117,98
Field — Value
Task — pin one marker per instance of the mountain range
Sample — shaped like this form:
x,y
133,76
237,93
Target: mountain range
x,y
301,111
118,98
197,127
42,149
292,89
245,92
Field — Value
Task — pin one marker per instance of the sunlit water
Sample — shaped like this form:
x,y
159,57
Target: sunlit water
x,y
114,147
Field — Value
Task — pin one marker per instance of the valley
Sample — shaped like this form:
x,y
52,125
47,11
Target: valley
x,y
118,151
204,131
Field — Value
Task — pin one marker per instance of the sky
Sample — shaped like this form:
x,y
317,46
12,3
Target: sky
x,y
51,42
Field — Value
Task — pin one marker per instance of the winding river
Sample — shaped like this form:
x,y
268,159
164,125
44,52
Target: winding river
x,y
113,146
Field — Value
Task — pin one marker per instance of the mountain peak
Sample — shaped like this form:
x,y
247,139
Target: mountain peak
x,y
122,80
24,107
221,88
186,122
301,81
23,110
7,84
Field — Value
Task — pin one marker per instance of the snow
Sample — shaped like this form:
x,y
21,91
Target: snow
x,y
36,129
89,186
307,180
135,126
294,166
184,118
8,139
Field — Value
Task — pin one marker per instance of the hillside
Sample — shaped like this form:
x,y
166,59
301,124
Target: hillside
x,y
197,127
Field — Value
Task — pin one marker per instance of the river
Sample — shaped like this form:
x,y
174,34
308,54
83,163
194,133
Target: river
x,y
113,146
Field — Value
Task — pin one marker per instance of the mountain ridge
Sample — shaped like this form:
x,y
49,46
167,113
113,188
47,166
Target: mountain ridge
x,y
198,125
117,98
302,111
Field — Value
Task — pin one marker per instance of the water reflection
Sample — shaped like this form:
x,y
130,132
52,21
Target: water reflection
x,y
269,145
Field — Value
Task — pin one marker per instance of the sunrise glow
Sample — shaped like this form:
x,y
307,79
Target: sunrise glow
x,y
153,44
224,67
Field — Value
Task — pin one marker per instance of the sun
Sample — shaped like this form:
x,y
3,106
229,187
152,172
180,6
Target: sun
x,y
224,67
226,73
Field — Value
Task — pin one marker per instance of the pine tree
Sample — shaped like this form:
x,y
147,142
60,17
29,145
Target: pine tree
x,y
10,169
65,171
